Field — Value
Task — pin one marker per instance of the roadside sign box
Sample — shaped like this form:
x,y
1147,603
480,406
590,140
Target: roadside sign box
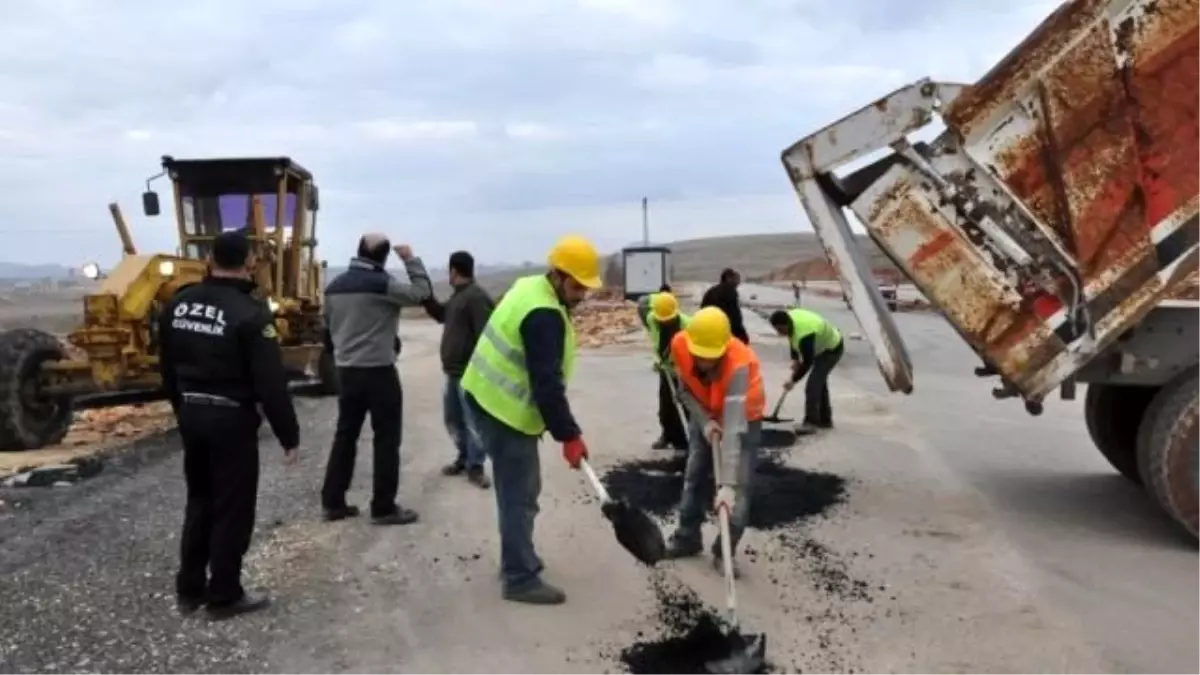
x,y
645,270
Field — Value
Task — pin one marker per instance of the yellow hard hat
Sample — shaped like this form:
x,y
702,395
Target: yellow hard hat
x,y
577,257
708,333
665,306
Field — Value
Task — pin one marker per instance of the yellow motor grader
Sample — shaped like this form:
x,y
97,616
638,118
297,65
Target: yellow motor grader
x,y
112,357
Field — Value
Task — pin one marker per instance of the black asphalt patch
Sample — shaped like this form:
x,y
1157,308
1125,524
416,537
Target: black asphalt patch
x,y
691,635
783,495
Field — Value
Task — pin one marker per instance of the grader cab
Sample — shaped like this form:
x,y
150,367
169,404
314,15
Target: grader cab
x,y
112,357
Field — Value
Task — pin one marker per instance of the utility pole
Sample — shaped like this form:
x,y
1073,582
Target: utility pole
x,y
645,221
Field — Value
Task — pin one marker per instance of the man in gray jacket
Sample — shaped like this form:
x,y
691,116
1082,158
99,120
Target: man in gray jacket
x,y
464,316
362,313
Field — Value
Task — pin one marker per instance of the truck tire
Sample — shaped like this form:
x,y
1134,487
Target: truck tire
x,y
29,420
328,375
1114,414
1168,457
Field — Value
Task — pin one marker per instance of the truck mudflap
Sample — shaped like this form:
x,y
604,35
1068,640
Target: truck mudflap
x,y
1057,209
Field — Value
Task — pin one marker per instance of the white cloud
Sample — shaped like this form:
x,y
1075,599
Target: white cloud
x,y
421,130
490,125
532,131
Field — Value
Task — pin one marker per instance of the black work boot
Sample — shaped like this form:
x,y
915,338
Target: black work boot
x,y
677,549
476,477
659,444
719,560
540,593
341,513
249,602
455,469
806,428
187,605
401,516
718,563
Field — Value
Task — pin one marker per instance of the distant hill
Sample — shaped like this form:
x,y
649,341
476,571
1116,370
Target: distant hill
x,y
13,270
756,256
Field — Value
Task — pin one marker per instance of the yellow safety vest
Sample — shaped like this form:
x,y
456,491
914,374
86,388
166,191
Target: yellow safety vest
x,y
496,375
653,327
805,323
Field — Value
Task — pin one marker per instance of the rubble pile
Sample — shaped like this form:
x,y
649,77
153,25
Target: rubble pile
x,y
599,323
119,423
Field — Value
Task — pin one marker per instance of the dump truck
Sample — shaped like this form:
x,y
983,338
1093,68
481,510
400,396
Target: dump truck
x,y
1052,222
111,357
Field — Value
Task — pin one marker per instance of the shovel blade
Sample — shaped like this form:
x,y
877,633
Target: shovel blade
x,y
636,531
747,654
776,438
775,419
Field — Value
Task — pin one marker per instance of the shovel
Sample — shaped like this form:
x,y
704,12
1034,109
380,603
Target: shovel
x,y
774,417
635,530
747,653
675,397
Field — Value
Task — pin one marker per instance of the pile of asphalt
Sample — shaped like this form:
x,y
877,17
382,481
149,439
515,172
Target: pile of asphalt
x,y
691,634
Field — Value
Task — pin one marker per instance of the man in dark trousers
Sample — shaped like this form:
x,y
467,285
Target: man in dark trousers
x,y
724,296
220,360
362,314
464,316
660,315
816,347
516,391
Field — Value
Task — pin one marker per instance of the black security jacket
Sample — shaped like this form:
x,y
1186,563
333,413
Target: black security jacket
x,y
215,338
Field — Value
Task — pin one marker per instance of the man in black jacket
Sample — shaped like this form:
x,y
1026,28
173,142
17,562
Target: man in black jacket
x,y
724,296
464,316
220,359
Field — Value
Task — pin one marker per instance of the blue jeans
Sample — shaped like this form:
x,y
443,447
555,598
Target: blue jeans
x,y
517,479
699,486
454,414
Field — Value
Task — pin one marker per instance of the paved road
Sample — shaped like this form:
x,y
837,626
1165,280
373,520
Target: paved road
x,y
1102,552
926,567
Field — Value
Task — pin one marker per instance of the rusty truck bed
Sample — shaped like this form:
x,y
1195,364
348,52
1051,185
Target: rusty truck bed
x,y
1060,206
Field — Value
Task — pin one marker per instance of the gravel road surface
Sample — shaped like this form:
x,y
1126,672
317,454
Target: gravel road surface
x,y
937,573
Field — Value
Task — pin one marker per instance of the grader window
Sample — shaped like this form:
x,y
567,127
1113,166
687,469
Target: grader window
x,y
214,215
210,216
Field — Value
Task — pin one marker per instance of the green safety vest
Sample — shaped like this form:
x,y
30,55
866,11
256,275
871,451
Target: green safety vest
x,y
652,327
805,323
496,374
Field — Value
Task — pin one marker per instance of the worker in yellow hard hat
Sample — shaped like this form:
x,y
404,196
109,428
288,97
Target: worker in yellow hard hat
x,y
660,315
515,386
723,393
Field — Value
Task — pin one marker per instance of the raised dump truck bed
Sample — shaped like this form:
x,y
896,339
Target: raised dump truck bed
x,y
1053,223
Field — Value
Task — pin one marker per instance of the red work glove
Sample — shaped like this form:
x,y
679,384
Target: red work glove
x,y
574,451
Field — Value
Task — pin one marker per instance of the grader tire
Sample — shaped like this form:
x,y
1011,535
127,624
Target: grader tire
x,y
1114,414
29,420
1168,456
328,375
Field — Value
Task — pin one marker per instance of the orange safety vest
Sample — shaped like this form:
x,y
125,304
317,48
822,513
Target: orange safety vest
x,y
712,395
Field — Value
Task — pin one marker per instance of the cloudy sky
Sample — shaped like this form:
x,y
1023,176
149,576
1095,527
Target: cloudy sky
x,y
492,125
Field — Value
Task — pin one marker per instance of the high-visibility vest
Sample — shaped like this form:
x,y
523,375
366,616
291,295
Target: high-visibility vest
x,y
711,395
653,327
806,322
496,375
